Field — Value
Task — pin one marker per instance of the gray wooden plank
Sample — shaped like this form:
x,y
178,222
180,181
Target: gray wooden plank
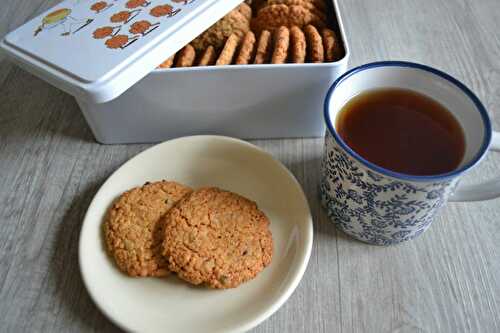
x,y
448,280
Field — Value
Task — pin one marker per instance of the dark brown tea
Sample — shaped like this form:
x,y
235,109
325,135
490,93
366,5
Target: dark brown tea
x,y
403,131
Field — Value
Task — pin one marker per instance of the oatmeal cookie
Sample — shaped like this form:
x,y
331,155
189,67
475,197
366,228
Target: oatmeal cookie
x,y
167,63
163,10
208,57
263,48
227,54
309,5
217,238
186,57
245,10
298,45
273,16
330,45
314,44
281,44
132,231
246,49
217,34
317,5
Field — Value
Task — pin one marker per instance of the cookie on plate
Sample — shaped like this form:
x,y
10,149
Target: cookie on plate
x,y
218,238
132,232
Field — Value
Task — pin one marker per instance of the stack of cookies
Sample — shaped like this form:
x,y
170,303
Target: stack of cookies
x,y
207,236
267,31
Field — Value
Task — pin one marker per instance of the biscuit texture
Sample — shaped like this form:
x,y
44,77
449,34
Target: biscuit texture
x,y
263,48
227,54
208,57
330,45
186,57
273,16
245,10
315,44
297,45
217,238
133,231
246,49
233,23
167,63
281,44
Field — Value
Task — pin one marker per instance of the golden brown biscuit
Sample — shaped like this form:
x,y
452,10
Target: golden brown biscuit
x,y
133,232
258,4
117,42
167,63
208,57
263,48
304,3
120,16
298,45
218,238
227,54
314,44
281,44
273,16
98,6
141,27
331,45
246,49
163,10
245,10
217,34
186,57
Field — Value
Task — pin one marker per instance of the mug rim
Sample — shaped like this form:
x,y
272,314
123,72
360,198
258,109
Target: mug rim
x,y
403,176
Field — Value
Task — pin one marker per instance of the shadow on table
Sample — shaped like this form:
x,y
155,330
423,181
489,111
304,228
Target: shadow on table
x,y
33,108
78,308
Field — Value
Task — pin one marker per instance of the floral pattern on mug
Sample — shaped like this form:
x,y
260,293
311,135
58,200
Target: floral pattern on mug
x,y
372,207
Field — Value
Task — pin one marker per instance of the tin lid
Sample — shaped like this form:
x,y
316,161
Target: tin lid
x,y
95,50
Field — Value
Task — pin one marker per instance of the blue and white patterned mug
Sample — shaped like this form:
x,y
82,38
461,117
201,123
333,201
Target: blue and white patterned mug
x,y
382,207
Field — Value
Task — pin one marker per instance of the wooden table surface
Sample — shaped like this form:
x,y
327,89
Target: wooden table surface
x,y
448,280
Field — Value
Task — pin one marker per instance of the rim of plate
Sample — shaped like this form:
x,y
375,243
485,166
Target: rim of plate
x,y
277,302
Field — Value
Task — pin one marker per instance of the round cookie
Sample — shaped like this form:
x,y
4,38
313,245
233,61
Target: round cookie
x,y
218,238
271,17
133,231
233,23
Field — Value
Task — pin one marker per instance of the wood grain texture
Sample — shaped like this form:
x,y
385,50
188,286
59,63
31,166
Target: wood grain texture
x,y
448,280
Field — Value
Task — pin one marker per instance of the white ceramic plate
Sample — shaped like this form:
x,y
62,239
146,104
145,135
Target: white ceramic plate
x,y
169,304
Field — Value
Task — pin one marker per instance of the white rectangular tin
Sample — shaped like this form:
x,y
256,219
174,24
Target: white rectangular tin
x,y
245,101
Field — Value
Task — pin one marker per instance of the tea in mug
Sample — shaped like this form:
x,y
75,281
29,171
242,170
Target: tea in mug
x,y
403,131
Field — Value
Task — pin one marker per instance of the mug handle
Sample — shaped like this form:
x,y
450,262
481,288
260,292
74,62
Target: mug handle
x,y
484,191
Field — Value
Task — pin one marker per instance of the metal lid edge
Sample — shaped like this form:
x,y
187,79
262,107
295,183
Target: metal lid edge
x,y
111,87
